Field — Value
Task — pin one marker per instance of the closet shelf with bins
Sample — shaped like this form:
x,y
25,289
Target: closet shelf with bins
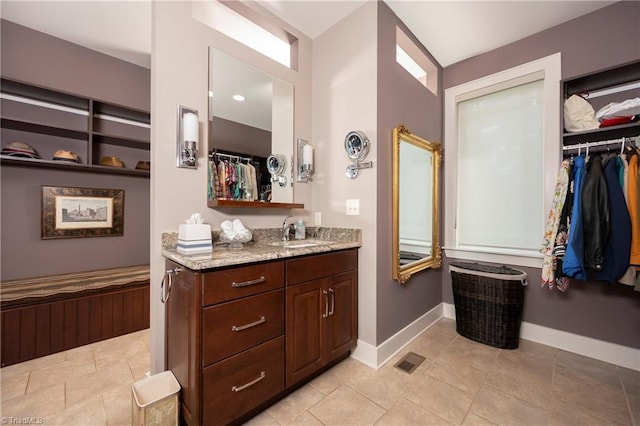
x,y
614,84
49,120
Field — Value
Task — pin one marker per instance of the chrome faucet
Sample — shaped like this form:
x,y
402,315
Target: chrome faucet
x,y
287,229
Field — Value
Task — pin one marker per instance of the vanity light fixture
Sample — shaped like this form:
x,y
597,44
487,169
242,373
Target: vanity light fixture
x,y
305,160
187,138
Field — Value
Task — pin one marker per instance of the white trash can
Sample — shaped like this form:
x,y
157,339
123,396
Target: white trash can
x,y
155,400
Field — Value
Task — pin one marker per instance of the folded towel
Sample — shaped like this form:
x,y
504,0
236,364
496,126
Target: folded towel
x,y
234,232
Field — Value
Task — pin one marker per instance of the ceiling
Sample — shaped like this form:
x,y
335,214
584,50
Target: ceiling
x,y
451,30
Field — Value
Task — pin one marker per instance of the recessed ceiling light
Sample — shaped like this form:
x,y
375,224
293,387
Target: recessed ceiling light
x,y
238,98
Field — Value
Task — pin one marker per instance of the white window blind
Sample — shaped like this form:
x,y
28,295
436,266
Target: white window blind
x,y
500,168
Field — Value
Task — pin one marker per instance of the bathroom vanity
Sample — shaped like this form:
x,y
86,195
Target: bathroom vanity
x,y
244,328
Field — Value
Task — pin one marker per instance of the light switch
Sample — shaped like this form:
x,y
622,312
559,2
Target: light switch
x,y
353,207
317,219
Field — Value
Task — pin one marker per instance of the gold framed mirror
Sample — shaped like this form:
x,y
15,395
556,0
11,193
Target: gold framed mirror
x,y
416,204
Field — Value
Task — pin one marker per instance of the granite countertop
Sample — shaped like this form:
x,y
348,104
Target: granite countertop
x,y
265,245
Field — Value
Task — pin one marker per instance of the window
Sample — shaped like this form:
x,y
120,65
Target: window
x,y
502,144
277,44
415,62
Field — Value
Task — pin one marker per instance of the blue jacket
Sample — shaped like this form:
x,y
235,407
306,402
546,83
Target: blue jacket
x,y
573,263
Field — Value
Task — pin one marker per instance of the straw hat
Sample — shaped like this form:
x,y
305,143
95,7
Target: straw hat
x,y
143,165
111,161
19,149
64,155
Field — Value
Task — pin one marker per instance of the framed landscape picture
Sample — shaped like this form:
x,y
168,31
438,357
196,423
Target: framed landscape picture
x,y
69,212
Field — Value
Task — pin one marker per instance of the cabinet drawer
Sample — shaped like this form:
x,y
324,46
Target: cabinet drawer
x,y
230,328
320,266
233,283
236,385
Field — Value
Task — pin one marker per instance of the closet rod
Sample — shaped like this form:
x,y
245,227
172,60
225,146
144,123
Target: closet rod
x,y
598,143
237,157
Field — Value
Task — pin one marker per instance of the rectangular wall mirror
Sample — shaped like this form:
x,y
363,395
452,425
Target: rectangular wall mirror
x,y
250,118
416,189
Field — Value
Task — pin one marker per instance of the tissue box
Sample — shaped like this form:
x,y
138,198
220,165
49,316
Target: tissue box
x,y
194,238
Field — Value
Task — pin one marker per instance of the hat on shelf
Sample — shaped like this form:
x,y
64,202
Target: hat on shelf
x,y
64,155
143,165
111,161
19,149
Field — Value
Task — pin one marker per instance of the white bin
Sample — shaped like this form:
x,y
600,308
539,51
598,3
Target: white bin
x,y
155,400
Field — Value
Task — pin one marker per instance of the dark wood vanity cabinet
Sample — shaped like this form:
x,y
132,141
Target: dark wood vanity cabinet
x,y
239,337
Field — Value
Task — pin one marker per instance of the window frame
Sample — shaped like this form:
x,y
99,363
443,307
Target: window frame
x,y
550,67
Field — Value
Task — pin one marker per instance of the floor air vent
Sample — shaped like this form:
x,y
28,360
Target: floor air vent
x,y
409,362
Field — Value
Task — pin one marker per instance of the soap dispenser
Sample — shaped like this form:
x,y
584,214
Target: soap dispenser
x,y
300,230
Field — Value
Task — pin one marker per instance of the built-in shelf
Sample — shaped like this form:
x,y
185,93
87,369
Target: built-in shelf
x,y
252,204
49,120
613,84
69,166
613,132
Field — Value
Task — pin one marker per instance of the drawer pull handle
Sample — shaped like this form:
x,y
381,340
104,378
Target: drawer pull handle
x,y
326,304
251,383
252,324
333,301
246,283
165,289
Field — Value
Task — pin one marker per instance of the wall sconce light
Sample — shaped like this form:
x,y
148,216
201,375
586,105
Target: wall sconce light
x,y
187,139
305,160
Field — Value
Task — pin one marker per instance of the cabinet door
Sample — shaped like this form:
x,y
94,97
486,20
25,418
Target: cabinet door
x,y
305,306
182,322
342,322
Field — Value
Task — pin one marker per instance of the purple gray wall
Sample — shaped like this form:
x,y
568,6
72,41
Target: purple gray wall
x,y
401,99
37,58
240,138
602,39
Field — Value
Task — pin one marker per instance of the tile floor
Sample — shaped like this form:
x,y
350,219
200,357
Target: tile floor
x,y
461,382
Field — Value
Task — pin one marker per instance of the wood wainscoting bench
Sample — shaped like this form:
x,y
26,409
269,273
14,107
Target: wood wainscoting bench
x,y
44,315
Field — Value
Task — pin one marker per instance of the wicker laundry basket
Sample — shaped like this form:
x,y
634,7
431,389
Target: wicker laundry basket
x,y
488,302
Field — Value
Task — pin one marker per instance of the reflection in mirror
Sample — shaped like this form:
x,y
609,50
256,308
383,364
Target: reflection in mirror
x,y
243,134
416,169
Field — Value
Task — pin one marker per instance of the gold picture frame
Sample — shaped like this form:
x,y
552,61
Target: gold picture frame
x,y
69,212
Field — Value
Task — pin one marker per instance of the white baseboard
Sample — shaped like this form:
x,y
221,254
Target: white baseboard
x,y
377,356
604,351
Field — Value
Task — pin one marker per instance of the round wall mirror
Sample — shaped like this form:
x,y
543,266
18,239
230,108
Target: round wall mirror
x,y
276,164
356,145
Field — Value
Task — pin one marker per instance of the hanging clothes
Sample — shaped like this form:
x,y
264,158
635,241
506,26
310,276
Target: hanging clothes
x,y
572,265
618,246
634,210
595,214
222,178
233,180
551,228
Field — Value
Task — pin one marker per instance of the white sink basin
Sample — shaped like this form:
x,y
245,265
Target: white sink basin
x,y
299,243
